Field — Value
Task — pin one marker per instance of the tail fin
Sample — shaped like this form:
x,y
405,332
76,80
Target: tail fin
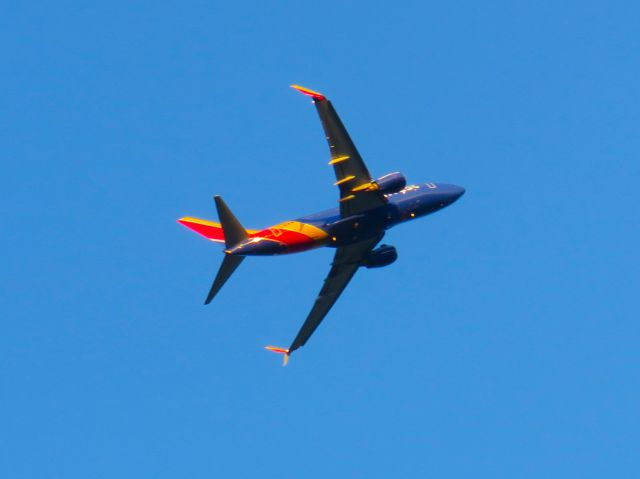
x,y
209,229
234,234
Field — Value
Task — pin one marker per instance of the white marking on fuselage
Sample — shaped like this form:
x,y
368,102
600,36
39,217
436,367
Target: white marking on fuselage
x,y
405,190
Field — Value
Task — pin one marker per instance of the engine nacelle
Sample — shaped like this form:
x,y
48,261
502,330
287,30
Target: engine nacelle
x,y
383,255
391,183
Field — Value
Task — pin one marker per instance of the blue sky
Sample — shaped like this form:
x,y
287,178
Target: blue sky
x,y
504,341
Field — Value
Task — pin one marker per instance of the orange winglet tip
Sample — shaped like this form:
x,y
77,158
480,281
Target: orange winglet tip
x,y
276,349
313,94
280,351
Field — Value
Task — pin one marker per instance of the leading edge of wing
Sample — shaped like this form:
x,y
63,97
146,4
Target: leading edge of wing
x,y
352,175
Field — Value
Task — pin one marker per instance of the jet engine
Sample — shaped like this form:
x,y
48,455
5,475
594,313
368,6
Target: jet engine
x,y
391,183
383,255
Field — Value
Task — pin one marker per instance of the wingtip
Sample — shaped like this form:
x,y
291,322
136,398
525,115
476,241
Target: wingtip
x,y
209,298
278,350
306,91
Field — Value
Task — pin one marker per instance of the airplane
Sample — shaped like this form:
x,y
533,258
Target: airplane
x,y
367,208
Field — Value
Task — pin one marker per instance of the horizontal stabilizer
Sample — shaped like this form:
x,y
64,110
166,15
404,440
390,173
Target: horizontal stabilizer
x,y
229,265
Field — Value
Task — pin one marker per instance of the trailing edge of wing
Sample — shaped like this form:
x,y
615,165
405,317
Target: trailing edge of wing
x,y
346,262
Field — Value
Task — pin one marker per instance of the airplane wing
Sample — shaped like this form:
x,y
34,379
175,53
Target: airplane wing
x,y
358,191
346,262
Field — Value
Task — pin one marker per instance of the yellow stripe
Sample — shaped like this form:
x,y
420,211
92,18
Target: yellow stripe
x,y
344,180
198,221
373,186
305,228
339,159
347,198
307,91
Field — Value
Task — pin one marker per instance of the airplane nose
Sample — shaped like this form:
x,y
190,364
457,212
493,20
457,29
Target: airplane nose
x,y
453,192
457,191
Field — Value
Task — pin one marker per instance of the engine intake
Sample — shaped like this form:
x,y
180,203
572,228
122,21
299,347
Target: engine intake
x,y
383,255
391,183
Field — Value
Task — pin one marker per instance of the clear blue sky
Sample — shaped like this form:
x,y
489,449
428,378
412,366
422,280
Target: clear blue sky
x,y
504,341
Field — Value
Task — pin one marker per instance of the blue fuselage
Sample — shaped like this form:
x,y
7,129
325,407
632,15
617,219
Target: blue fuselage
x,y
410,203
330,228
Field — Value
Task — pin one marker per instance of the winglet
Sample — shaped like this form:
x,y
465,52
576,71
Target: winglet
x,y
280,351
313,94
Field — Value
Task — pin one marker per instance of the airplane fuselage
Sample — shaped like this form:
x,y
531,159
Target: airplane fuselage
x,y
328,228
368,206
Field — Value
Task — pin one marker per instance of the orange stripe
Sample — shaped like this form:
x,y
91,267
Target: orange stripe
x,y
307,229
277,350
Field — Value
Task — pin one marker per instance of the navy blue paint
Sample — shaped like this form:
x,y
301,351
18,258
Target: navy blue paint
x,y
416,200
392,182
384,255
410,203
